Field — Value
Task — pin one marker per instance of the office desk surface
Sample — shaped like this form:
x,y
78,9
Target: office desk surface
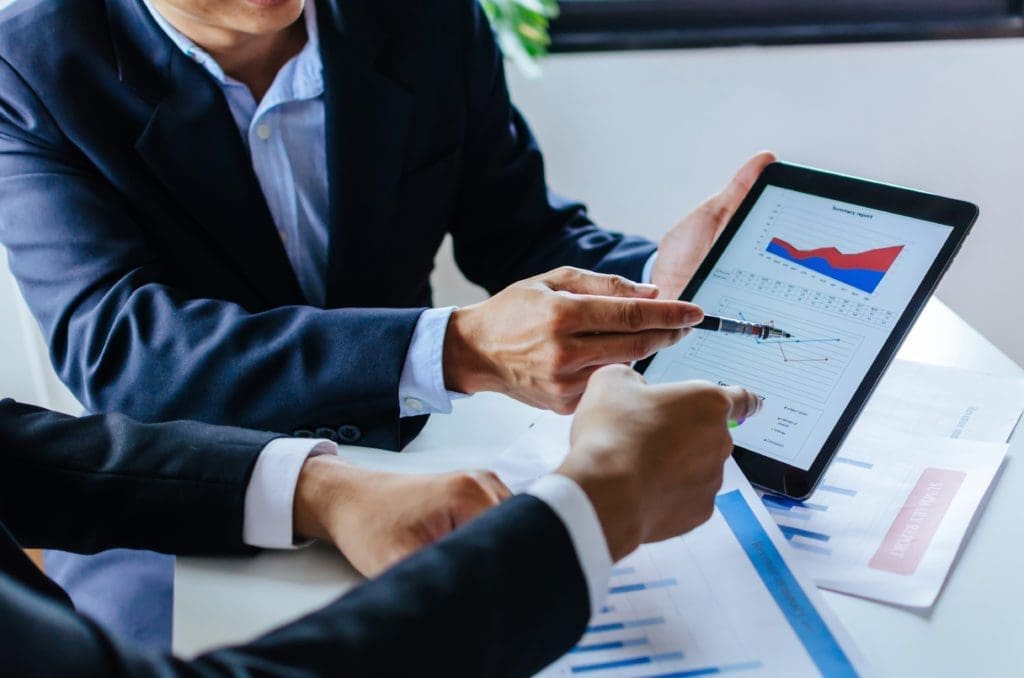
x,y
974,629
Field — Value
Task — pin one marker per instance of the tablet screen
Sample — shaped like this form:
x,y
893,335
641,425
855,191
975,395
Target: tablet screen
x,y
835,275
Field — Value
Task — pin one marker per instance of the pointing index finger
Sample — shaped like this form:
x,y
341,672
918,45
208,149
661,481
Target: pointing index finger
x,y
614,315
743,403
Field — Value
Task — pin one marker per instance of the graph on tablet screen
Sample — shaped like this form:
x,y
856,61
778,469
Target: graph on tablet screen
x,y
861,270
835,275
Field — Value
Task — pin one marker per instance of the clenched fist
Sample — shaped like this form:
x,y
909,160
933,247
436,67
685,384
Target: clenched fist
x,y
650,458
376,519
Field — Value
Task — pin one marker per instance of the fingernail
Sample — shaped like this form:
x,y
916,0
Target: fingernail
x,y
693,317
647,288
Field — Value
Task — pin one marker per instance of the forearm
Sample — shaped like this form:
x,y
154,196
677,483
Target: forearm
x,y
283,369
102,482
497,572
509,582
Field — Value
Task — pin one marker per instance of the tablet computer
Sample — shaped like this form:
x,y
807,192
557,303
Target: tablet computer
x,y
844,265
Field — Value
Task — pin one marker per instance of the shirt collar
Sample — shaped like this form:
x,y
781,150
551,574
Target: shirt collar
x,y
203,58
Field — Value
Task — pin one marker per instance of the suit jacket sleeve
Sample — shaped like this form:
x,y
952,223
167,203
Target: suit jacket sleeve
x,y
508,225
118,332
101,482
503,596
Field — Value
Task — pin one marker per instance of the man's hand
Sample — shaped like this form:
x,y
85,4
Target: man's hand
x,y
684,247
376,519
650,458
539,340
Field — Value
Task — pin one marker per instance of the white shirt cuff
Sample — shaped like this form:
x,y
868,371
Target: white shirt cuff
x,y
649,268
421,386
270,496
571,505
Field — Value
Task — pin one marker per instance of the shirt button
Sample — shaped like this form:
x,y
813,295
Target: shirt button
x,y
414,404
263,132
326,433
349,433
283,236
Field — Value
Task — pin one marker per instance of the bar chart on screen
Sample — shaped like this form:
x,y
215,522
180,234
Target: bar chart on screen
x,y
720,600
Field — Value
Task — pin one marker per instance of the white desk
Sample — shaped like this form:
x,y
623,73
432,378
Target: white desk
x,y
975,629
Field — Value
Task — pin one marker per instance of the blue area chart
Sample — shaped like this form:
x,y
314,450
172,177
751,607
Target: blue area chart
x,y
862,270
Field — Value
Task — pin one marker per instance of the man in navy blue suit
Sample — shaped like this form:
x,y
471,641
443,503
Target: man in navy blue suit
x,y
228,210
645,465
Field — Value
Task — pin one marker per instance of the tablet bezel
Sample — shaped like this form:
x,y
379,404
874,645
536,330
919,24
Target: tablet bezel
x,y
779,477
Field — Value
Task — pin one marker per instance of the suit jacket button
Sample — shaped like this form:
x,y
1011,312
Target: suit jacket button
x,y
326,433
302,433
349,433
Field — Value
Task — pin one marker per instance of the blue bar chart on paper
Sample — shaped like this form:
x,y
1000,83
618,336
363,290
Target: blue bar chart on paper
x,y
720,600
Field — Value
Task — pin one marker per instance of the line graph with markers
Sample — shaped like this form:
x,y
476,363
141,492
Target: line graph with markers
x,y
805,369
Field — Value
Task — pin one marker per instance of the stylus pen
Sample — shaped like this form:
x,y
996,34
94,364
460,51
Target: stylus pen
x,y
716,324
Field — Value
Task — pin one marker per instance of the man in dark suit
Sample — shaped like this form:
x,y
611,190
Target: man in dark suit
x,y
228,210
505,594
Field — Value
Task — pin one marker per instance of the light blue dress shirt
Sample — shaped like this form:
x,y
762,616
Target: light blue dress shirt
x,y
285,134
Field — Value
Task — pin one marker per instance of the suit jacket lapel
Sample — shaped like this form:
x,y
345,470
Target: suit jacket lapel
x,y
192,145
369,118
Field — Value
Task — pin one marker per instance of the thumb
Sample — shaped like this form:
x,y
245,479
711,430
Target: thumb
x,y
579,281
615,377
473,493
732,195
743,403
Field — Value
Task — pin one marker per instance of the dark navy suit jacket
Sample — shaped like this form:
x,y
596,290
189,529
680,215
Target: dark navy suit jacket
x,y
502,596
139,236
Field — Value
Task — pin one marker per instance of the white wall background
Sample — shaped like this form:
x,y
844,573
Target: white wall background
x,y
643,136
25,372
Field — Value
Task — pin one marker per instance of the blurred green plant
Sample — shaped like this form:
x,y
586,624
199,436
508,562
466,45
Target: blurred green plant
x,y
522,29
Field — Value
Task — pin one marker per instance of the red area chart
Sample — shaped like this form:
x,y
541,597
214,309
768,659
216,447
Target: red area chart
x,y
862,270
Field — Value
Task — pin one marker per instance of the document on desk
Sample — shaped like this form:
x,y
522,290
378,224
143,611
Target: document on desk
x,y
953,403
722,599
890,515
897,503
892,511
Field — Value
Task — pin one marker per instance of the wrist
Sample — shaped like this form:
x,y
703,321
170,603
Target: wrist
x,y
325,484
466,367
615,506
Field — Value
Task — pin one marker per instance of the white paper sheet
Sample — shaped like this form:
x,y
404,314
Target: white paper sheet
x,y
890,514
951,403
899,499
722,599
537,452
